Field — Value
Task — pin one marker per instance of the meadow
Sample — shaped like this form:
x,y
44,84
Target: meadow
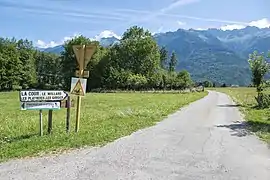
x,y
104,118
257,119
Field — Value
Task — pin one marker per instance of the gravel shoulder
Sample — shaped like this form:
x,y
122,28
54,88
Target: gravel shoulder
x,y
205,140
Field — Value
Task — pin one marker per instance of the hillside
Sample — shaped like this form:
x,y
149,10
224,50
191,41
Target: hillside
x,y
213,54
220,56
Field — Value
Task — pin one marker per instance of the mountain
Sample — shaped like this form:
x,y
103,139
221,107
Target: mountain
x,y
106,42
55,50
213,54
246,40
216,55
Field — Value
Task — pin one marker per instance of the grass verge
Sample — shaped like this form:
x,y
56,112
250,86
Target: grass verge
x,y
104,118
258,119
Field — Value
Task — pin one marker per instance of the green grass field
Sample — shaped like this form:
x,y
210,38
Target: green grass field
x,y
104,118
258,119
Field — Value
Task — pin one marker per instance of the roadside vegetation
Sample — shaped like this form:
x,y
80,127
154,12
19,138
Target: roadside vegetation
x,y
104,118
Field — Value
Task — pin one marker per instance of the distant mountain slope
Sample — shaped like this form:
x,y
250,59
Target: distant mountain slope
x,y
55,50
213,54
246,40
206,57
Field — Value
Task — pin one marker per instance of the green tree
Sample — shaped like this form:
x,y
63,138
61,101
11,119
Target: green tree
x,y
96,68
136,33
48,69
27,63
137,53
136,81
173,62
259,67
163,57
17,64
68,59
207,83
184,79
10,64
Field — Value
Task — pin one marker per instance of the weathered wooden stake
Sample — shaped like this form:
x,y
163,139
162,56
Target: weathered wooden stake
x,y
50,122
68,114
40,123
78,114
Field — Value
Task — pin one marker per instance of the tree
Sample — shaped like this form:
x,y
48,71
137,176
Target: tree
x,y
27,63
68,59
163,57
207,83
259,67
136,81
173,62
17,64
137,53
136,33
184,78
48,69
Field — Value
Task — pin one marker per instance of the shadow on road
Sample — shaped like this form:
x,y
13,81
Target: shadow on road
x,y
245,128
239,129
229,105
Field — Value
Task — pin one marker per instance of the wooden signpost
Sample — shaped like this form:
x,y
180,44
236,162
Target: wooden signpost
x,y
83,55
54,100
42,100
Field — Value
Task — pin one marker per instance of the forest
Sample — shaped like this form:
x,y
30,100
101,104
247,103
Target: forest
x,y
135,63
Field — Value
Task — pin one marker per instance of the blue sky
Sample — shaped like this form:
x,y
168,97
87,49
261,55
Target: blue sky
x,y
50,22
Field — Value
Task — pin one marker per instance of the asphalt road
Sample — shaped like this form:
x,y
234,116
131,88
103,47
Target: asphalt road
x,y
205,140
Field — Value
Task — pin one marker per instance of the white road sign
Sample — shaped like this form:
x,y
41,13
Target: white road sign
x,y
40,105
78,86
35,95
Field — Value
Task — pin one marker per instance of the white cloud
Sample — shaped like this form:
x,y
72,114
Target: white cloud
x,y
262,23
42,44
106,34
180,23
200,29
162,30
232,27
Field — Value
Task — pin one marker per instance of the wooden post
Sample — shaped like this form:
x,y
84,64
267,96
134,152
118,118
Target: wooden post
x,y
50,122
68,114
40,123
83,56
78,114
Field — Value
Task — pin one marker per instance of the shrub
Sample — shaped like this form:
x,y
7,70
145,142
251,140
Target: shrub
x,y
263,100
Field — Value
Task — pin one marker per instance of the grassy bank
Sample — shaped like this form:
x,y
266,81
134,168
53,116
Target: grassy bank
x,y
104,118
258,119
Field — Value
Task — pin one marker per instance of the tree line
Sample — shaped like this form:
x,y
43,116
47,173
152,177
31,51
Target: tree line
x,y
135,63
